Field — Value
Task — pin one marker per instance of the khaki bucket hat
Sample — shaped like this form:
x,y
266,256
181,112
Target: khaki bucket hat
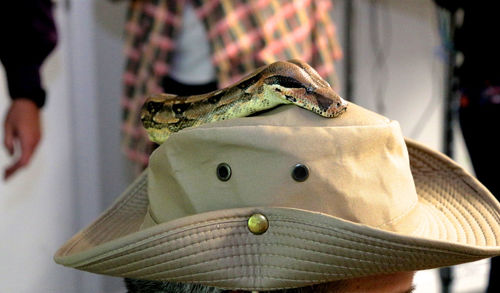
x,y
288,199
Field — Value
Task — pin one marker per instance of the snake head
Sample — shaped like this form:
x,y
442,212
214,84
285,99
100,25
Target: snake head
x,y
300,84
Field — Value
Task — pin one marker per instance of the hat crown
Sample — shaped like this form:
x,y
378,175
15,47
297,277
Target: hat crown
x,y
358,167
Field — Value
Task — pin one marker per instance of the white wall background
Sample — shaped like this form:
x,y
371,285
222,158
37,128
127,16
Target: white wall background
x,y
78,169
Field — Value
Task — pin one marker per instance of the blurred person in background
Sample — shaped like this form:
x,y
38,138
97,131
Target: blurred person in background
x,y
479,88
193,47
28,36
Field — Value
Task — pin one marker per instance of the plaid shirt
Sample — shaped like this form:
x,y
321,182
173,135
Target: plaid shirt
x,y
243,35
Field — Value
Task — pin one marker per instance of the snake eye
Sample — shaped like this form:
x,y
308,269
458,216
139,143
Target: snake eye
x,y
291,99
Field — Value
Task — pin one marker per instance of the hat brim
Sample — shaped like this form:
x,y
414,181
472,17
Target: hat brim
x,y
459,222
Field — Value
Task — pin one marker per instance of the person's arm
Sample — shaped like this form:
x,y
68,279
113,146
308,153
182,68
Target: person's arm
x,y
28,35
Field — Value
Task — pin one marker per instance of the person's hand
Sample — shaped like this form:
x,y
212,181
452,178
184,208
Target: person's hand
x,y
22,129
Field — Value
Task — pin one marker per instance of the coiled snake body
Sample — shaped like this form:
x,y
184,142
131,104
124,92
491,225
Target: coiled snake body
x,y
282,82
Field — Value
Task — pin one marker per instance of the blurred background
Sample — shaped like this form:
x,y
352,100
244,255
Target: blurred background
x,y
394,63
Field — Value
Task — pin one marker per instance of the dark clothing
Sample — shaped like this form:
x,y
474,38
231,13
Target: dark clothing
x,y
28,35
479,125
479,82
172,86
477,40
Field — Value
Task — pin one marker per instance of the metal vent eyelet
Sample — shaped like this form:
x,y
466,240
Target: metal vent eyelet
x,y
223,172
300,172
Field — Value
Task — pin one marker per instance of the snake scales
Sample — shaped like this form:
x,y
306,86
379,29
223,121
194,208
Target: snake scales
x,y
282,82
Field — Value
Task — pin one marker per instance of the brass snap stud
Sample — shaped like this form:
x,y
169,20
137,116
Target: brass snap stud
x,y
223,172
300,173
258,224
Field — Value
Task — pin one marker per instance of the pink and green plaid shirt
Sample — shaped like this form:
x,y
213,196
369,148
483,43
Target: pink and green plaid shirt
x,y
243,35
